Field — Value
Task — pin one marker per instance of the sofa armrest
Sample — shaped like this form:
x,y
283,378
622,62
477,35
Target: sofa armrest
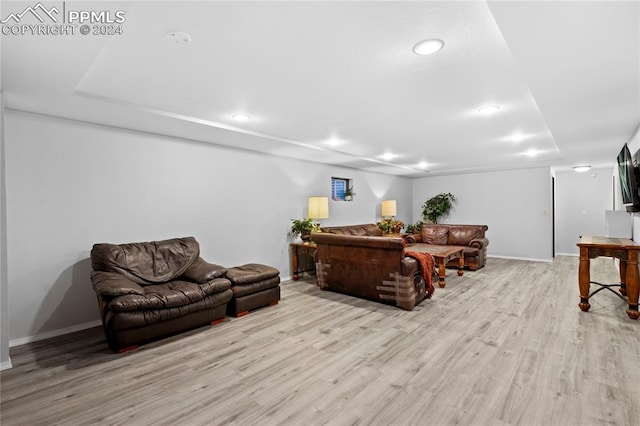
x,y
479,243
413,238
202,271
409,266
111,284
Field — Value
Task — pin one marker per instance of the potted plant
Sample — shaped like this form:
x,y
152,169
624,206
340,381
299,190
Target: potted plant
x,y
390,226
415,228
304,228
437,206
348,194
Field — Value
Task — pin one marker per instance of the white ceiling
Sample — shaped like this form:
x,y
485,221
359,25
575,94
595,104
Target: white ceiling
x,y
565,74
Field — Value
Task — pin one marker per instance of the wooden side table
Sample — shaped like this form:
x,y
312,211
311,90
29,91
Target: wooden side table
x,y
623,249
301,248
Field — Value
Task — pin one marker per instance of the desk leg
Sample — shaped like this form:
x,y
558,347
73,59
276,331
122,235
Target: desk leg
x,y
295,264
583,279
632,284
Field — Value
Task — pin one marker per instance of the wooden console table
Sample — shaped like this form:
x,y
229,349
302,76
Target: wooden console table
x,y
304,248
623,249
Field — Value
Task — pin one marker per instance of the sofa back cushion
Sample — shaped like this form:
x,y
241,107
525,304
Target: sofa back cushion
x,y
462,235
435,234
368,229
146,263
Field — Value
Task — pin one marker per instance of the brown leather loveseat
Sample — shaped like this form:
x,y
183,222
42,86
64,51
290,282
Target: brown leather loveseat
x,y
146,290
373,267
471,237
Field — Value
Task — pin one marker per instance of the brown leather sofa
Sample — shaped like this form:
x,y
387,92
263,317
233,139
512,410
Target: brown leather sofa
x,y
368,266
471,237
151,289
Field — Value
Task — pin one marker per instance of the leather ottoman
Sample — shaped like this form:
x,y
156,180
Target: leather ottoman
x,y
254,286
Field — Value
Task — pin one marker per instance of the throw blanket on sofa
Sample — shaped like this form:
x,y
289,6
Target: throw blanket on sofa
x,y
426,264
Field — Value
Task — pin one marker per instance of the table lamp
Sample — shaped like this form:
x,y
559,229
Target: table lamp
x,y
318,208
389,208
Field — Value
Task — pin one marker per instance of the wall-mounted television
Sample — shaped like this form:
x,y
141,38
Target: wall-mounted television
x,y
629,174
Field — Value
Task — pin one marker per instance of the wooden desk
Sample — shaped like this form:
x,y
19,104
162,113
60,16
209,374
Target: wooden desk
x,y
624,250
298,248
441,255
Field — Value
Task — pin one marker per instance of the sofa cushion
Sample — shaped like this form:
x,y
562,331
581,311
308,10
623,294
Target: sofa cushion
x,y
462,235
434,234
169,295
146,263
251,273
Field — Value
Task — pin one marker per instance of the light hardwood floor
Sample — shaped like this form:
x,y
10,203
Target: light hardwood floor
x,y
505,345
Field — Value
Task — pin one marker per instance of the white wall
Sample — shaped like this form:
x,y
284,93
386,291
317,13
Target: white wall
x,y
5,360
581,202
70,185
515,205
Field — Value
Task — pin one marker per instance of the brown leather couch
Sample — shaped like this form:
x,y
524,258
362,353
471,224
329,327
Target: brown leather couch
x,y
151,289
471,237
367,266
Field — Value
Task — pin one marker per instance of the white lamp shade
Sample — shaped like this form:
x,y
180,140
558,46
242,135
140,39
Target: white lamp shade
x,y
389,208
319,207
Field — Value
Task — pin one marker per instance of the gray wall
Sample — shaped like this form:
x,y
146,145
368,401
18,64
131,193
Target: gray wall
x,y
515,205
70,185
581,202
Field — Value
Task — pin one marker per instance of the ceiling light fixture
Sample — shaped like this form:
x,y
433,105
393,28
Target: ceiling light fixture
x,y
532,153
422,165
179,37
241,117
428,47
489,109
581,169
334,142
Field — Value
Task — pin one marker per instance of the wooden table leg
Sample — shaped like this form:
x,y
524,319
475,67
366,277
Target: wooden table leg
x,y
295,264
441,271
584,279
461,264
632,284
623,277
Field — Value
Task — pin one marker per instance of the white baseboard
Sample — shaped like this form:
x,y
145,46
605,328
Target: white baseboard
x,y
568,254
5,365
521,258
54,333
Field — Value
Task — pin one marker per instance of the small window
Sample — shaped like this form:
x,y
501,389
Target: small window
x,y
341,189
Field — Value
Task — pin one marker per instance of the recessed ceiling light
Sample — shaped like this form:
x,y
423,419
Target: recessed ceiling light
x,y
334,142
489,109
422,165
241,117
517,137
582,168
179,37
532,153
427,47
387,156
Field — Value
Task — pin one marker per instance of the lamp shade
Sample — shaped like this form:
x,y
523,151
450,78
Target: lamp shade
x,y
319,207
389,208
